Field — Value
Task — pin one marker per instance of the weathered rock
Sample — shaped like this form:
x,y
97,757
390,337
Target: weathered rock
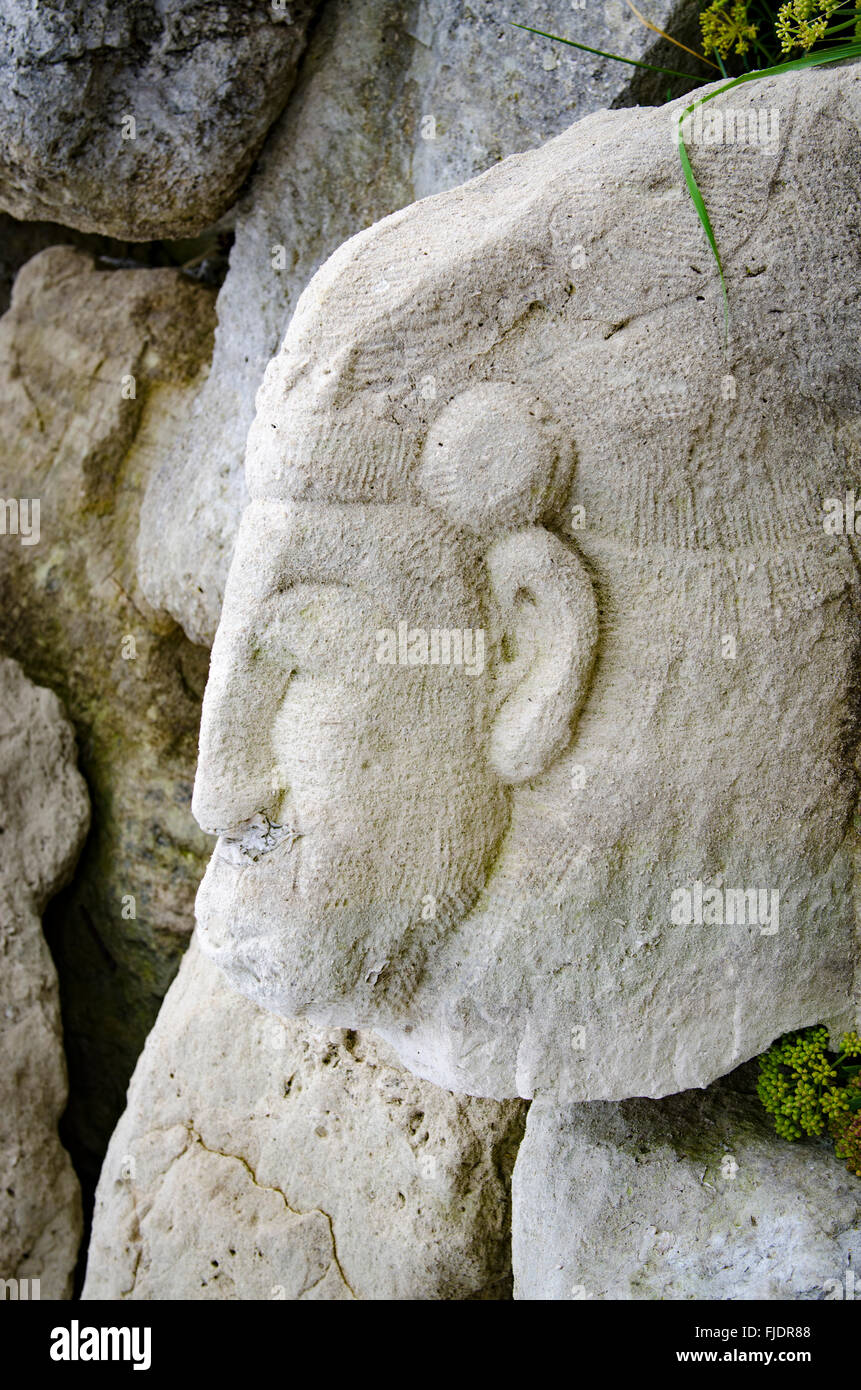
x,y
139,119
75,344
593,859
203,258
44,814
395,101
691,1197
324,1169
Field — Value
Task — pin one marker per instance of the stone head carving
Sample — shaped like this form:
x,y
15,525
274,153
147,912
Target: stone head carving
x,y
537,666
383,673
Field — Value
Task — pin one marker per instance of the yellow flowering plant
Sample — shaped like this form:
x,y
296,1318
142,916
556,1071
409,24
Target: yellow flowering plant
x,y
733,29
808,1089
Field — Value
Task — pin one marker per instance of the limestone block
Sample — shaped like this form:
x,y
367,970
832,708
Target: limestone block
x,y
325,1171
691,1197
96,369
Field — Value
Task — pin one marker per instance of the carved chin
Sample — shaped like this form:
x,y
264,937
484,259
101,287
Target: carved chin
x,y
296,953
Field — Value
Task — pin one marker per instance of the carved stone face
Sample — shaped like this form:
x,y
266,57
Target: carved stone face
x,y
380,674
529,878
347,740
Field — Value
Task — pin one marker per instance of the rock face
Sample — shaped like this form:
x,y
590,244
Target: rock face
x,y
44,814
324,1169
139,119
691,1197
394,102
96,366
531,720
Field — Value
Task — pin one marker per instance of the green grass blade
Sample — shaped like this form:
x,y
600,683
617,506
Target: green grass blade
x,y
702,213
810,60
670,72
838,28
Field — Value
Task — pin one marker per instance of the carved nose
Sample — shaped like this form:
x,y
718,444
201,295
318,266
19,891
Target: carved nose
x,y
234,781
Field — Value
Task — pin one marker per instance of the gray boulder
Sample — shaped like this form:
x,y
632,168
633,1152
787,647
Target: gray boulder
x,y
96,369
44,815
139,119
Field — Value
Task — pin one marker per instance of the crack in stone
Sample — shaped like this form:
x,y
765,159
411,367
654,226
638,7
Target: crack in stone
x,y
238,1158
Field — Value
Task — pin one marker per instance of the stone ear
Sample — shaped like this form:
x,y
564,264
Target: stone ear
x,y
549,633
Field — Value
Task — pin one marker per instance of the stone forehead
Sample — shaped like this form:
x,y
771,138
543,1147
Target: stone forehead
x,y
578,276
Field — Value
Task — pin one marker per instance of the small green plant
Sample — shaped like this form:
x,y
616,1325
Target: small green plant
x,y
808,1089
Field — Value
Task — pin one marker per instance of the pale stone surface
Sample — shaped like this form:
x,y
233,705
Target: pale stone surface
x,y
323,1169
76,342
44,814
382,861
395,101
693,1197
202,84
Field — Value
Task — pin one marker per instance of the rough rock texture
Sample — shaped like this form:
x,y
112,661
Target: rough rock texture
x,y
201,83
324,1170
691,1197
44,814
588,861
71,613
394,101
